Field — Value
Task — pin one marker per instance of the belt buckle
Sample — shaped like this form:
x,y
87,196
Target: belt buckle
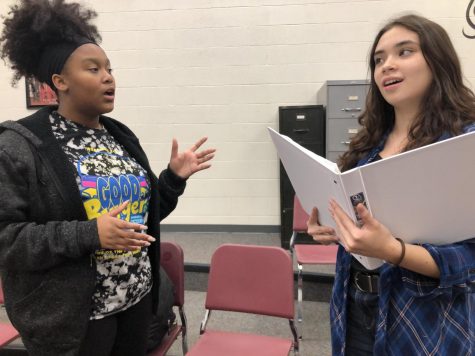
x,y
366,282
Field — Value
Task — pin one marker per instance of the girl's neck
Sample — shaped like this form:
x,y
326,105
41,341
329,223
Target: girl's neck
x,y
398,137
91,121
403,120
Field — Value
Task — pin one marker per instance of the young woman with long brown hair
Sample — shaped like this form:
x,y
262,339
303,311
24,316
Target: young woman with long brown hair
x,y
420,302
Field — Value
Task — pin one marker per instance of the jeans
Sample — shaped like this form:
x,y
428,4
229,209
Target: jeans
x,y
361,322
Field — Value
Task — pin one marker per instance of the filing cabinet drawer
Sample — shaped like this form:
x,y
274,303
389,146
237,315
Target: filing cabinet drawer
x,y
346,101
317,148
334,155
303,124
341,131
287,218
287,191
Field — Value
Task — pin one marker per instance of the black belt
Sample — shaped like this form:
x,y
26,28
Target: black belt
x,y
365,282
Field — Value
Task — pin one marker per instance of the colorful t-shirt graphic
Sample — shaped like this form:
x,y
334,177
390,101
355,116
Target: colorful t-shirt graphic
x,y
106,177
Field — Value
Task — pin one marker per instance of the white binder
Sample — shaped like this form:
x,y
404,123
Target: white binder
x,y
423,195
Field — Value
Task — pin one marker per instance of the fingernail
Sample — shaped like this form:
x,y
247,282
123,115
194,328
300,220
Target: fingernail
x,y
143,227
151,239
147,243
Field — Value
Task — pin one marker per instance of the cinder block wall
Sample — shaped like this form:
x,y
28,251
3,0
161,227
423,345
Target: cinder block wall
x,y
221,68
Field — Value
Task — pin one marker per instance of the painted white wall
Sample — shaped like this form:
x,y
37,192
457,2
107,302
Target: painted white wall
x,y
221,68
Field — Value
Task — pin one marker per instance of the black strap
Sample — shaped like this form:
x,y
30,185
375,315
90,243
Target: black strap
x,y
368,283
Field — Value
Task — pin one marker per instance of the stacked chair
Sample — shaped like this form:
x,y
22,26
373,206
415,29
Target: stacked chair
x,y
7,332
172,261
307,254
248,279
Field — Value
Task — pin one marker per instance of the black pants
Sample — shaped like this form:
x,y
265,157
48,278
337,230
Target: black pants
x,y
361,322
121,334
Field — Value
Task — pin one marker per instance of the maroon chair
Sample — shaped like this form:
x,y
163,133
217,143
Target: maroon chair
x,y
248,279
172,261
307,254
7,332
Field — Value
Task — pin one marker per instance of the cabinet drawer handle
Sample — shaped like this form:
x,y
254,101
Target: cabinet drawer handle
x,y
301,131
345,143
350,109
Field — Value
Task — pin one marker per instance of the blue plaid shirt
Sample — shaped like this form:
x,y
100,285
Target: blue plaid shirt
x,y
418,315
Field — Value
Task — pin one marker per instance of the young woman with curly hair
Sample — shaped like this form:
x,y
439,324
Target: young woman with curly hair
x,y
420,302
80,207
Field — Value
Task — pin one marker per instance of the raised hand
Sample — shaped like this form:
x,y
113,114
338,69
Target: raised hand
x,y
117,234
323,234
188,162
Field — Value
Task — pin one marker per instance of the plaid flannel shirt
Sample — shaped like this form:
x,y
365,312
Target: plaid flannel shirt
x,y
418,315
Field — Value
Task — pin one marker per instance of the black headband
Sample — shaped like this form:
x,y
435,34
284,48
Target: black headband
x,y
54,57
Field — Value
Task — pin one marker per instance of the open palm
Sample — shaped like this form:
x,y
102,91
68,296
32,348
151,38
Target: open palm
x,y
186,163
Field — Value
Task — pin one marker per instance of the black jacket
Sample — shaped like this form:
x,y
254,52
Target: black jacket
x,y
46,241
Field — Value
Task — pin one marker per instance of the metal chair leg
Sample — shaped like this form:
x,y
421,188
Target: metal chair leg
x,y
299,293
184,331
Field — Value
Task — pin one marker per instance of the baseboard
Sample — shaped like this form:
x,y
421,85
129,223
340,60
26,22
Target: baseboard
x,y
266,229
316,287
306,276
13,350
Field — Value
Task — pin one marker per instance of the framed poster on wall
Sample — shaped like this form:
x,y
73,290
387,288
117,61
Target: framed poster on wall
x,y
39,94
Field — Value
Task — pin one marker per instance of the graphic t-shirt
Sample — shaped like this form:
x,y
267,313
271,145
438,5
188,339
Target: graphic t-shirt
x,y
106,177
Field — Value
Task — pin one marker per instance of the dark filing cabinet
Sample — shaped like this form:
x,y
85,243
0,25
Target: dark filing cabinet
x,y
344,101
306,126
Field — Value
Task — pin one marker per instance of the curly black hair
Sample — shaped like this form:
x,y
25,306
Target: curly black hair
x,y
32,25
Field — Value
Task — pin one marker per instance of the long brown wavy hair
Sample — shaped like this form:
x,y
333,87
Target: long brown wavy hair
x,y
448,105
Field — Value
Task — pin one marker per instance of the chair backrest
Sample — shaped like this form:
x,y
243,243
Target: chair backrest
x,y
251,279
2,300
172,261
300,217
